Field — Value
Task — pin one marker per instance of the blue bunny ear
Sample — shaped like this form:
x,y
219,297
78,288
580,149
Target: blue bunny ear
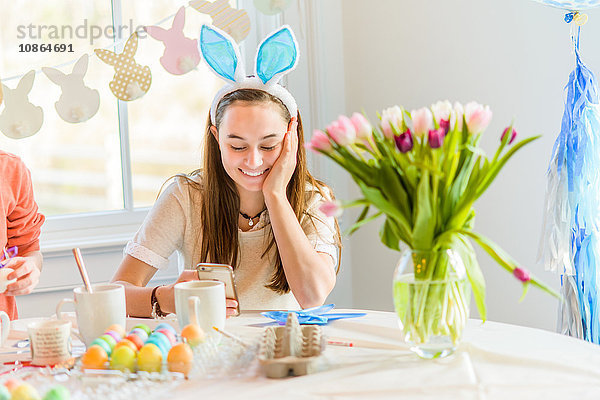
x,y
221,53
277,55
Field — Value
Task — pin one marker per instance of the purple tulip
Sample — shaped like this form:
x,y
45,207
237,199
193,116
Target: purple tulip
x,y
436,138
522,274
404,142
513,134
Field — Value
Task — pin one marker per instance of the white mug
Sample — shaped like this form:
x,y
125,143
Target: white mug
x,y
98,310
202,302
50,342
4,327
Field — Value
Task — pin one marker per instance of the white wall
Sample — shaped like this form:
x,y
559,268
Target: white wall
x,y
514,55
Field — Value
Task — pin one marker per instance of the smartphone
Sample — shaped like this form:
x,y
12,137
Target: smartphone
x,y
222,273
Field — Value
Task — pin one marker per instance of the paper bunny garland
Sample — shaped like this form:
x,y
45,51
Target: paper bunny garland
x,y
271,7
276,56
77,103
181,54
20,118
233,21
131,80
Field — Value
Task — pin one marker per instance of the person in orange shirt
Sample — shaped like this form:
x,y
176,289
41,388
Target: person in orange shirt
x,y
20,226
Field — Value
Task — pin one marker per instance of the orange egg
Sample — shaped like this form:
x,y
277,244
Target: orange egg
x,y
135,339
94,358
117,328
11,384
192,334
180,358
127,343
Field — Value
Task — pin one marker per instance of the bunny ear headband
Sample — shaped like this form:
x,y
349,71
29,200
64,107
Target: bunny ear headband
x,y
276,56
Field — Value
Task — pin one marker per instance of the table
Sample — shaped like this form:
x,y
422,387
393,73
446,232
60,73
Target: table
x,y
494,361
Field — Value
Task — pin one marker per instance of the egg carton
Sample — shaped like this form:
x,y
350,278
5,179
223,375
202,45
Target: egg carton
x,y
291,349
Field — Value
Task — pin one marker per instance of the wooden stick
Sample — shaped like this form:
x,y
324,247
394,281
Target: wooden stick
x,y
82,270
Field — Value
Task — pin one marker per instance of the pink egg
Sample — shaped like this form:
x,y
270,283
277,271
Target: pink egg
x,y
114,334
168,334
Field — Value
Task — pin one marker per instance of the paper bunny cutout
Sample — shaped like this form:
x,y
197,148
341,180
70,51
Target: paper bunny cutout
x,y
233,21
131,80
276,56
77,103
181,53
20,118
271,7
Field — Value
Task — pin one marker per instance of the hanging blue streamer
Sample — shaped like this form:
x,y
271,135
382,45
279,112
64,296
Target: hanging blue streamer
x,y
577,149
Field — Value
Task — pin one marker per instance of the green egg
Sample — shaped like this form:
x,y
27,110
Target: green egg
x,y
58,392
144,327
4,393
110,340
102,343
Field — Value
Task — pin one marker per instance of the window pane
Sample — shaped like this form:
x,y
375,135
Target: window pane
x,y
166,126
75,167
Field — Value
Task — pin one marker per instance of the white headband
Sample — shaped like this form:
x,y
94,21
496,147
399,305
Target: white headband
x,y
276,56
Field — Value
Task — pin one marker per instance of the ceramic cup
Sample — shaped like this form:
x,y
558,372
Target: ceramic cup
x,y
50,341
202,302
4,282
98,310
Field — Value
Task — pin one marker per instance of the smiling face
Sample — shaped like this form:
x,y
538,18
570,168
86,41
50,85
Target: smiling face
x,y
250,137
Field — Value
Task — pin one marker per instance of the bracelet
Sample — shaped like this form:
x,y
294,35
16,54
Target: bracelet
x,y
156,313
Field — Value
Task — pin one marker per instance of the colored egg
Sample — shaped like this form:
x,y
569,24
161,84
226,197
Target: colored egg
x,y
102,343
158,343
192,334
115,335
135,339
180,358
143,327
4,393
170,335
123,358
25,392
139,332
117,328
128,343
150,358
58,392
11,384
95,357
164,325
164,338
109,339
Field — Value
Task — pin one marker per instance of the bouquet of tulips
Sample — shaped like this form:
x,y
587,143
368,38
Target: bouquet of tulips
x,y
423,170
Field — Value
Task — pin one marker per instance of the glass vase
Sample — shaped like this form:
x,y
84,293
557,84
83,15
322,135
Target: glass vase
x,y
431,297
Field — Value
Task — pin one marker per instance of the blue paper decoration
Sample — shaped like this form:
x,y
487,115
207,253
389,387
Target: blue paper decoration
x,y
571,5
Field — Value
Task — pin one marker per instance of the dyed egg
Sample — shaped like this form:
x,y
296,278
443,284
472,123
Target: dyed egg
x,y
127,343
115,335
135,339
150,358
158,343
12,384
192,334
117,328
143,327
139,332
123,358
94,358
25,392
58,392
110,340
170,335
164,325
180,358
103,344
4,393
164,338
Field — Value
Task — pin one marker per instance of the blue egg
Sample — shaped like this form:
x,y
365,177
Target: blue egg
x,y
162,337
164,325
160,344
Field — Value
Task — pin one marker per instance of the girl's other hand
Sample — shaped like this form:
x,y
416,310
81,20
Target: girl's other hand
x,y
231,307
281,172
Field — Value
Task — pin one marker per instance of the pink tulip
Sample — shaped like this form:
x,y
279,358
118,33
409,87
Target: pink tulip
x,y
331,208
391,118
445,125
363,128
342,131
422,120
522,274
319,142
404,142
513,134
477,117
436,138
456,117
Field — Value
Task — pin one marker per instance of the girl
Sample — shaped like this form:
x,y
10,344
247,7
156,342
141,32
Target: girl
x,y
254,205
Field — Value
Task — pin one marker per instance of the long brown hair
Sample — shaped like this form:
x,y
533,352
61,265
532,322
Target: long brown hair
x,y
219,199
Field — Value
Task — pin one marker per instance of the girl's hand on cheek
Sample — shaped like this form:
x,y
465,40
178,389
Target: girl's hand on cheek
x,y
281,172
